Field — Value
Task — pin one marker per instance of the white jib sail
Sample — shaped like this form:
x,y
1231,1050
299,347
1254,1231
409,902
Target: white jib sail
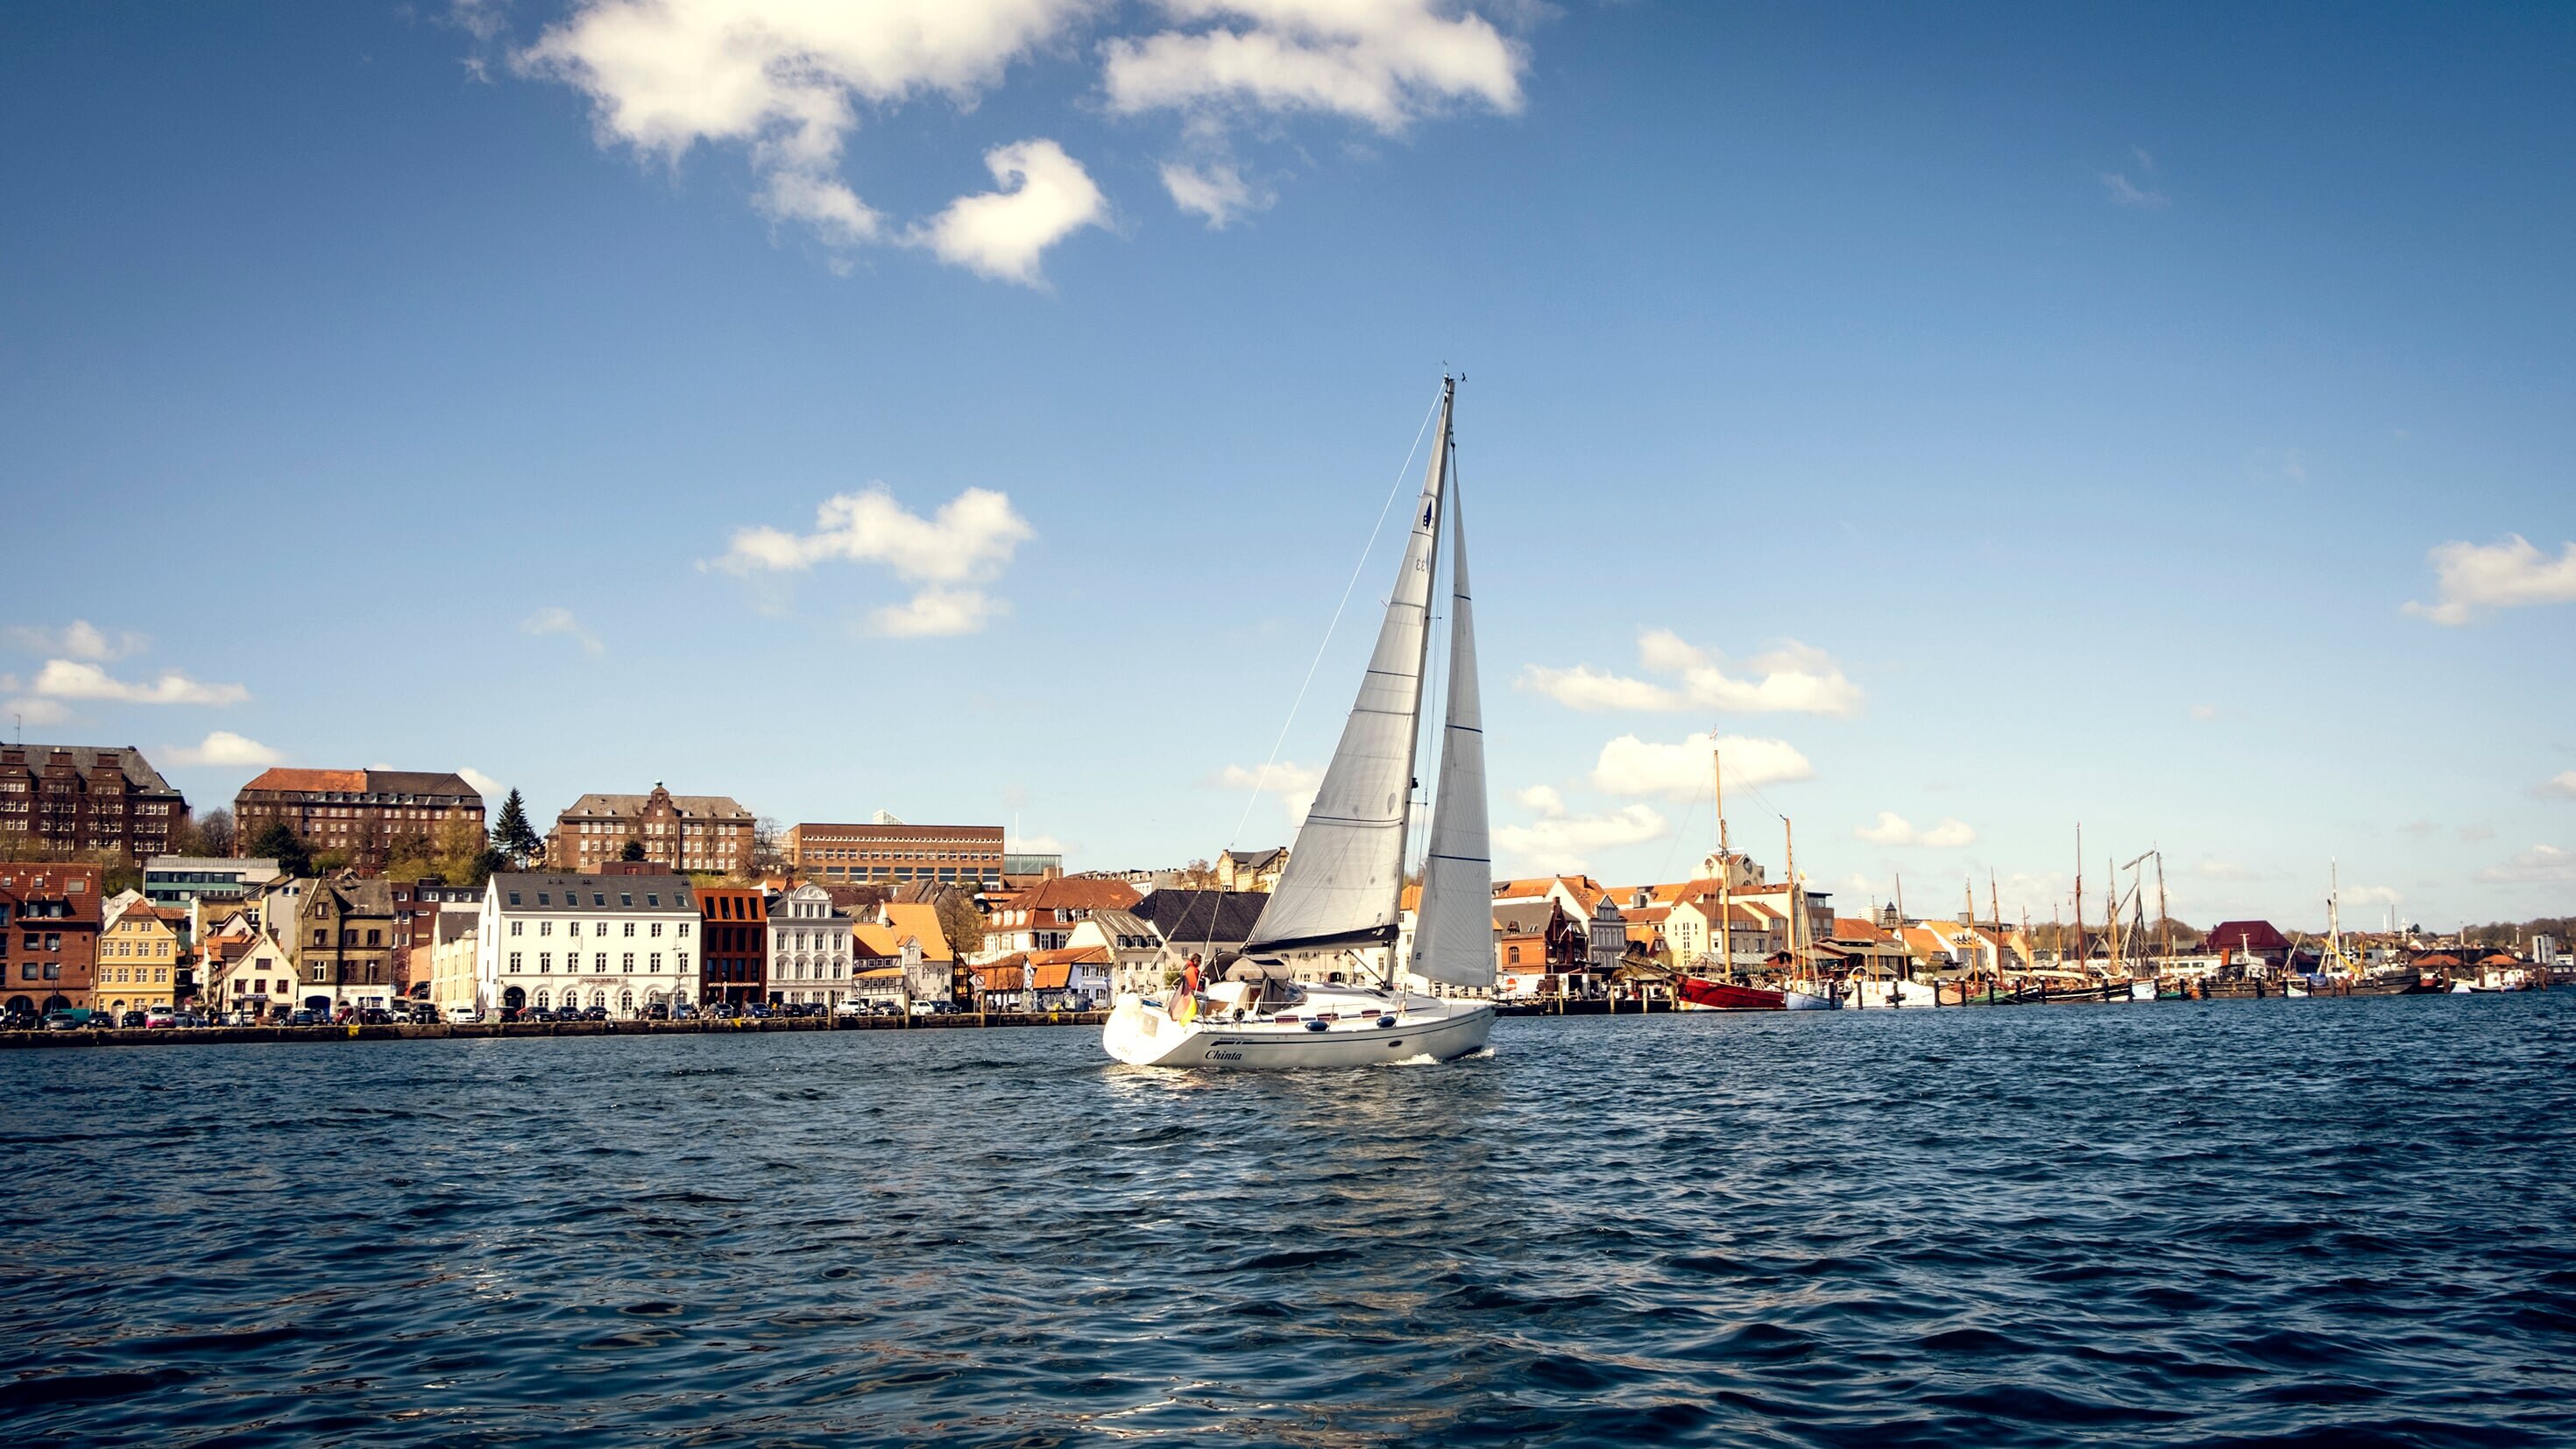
x,y
1453,932
1345,870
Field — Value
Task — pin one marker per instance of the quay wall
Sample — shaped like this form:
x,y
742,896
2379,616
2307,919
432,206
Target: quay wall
x,y
225,1035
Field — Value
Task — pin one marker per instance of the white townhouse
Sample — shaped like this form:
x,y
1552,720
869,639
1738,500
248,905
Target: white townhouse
x,y
809,949
622,942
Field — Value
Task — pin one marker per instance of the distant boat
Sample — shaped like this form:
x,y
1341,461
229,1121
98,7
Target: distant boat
x,y
1705,995
1342,890
1812,995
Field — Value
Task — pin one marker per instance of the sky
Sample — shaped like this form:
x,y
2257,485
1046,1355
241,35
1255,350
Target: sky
x,y
1980,421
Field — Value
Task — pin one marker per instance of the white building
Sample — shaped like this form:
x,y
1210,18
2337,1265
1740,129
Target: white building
x,y
1135,952
809,949
618,941
453,955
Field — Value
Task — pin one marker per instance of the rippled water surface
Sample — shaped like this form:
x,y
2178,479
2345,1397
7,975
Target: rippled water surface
x,y
2328,1222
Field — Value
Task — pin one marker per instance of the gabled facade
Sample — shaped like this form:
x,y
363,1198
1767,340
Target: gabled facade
x,y
1042,917
1251,870
1135,952
343,933
360,813
811,948
706,834
86,797
138,962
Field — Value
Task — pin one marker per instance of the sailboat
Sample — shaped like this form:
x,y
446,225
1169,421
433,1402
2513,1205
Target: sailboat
x,y
1342,891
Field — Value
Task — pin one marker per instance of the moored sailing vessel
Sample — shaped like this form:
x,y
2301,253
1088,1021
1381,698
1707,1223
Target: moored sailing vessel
x,y
1342,892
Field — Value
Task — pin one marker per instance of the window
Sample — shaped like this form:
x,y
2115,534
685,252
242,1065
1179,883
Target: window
x,y
651,898
375,938
545,928
321,936
543,899
599,898
684,962
657,928
515,927
545,961
572,928
514,961
684,930
630,962
657,961
630,928
514,898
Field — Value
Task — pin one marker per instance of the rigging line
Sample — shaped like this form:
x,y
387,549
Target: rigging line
x,y
1253,797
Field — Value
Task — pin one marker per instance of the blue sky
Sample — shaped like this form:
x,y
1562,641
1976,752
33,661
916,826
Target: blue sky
x,y
1993,420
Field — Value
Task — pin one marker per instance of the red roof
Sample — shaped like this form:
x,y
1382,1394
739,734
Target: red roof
x,y
2246,936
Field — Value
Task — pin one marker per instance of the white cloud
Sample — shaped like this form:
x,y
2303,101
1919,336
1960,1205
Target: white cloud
x,y
1385,62
1543,799
1792,679
2540,865
971,538
2372,895
2125,192
2562,785
2204,711
1631,766
80,640
936,613
1216,191
561,621
1562,843
2472,834
39,711
65,679
1294,784
223,747
490,789
1045,196
1893,829
784,79
1036,844
2507,575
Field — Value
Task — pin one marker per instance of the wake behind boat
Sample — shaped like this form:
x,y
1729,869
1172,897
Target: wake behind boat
x,y
1342,891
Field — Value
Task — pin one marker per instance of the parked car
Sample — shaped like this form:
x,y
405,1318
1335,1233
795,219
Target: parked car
x,y
158,1016
61,1021
684,1012
463,1014
657,1011
927,1008
373,1016
595,1013
307,1018
20,1021
189,1018
131,1018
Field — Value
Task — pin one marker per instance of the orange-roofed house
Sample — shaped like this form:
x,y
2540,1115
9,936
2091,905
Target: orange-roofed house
x,y
1042,917
1075,978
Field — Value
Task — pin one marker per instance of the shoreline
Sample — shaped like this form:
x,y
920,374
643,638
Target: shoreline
x,y
439,1031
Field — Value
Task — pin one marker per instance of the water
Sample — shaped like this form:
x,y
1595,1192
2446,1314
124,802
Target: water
x,y
2305,1222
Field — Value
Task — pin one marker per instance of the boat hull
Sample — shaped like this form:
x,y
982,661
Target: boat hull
x,y
1821,999
1699,995
1141,1033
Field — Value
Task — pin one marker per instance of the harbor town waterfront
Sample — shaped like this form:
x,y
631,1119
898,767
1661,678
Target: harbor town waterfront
x,y
765,723
2273,1222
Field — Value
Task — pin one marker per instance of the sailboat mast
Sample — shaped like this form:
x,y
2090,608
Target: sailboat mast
x,y
2083,953
1789,861
1725,869
1446,442
2164,915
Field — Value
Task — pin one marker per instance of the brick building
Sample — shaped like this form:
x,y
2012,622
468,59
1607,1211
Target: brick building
x,y
86,797
886,849
707,834
360,812
736,945
49,925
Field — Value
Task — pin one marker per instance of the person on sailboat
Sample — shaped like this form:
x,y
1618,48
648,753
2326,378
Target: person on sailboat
x,y
1185,1002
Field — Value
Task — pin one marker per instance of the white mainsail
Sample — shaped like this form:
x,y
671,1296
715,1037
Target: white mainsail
x,y
1345,871
1453,933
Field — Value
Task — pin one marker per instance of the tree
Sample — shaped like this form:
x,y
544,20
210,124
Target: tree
x,y
634,851
1198,875
215,835
465,855
409,858
961,923
765,854
512,835
278,842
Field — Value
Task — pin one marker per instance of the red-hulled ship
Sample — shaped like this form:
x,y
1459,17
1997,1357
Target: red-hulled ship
x,y
1719,996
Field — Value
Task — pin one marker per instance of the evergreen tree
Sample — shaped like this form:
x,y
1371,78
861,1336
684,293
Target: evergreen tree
x,y
277,842
512,835
634,851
